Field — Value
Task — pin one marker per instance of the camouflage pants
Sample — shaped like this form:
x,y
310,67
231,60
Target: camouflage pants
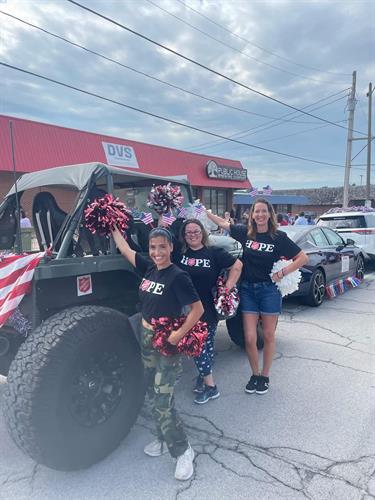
x,y
161,373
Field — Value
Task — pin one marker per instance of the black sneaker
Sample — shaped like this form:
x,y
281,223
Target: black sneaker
x,y
262,385
208,393
199,385
252,384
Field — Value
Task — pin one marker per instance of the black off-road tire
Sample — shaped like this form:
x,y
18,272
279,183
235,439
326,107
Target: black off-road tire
x,y
316,293
236,333
75,387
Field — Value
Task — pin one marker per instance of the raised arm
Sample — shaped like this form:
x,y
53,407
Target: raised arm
x,y
196,311
123,246
224,224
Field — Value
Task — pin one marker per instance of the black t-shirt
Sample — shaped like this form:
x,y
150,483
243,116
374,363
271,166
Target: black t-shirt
x,y
204,266
163,292
260,254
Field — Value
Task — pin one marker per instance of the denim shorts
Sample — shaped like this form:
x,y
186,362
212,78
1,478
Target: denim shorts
x,y
260,298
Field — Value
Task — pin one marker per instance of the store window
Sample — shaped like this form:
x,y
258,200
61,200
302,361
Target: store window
x,y
215,199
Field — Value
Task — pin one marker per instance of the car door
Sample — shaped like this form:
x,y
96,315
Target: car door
x,y
331,258
344,252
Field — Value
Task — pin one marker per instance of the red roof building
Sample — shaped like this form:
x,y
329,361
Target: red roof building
x,y
39,146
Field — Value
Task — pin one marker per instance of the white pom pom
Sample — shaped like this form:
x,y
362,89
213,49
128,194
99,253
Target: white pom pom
x,y
288,284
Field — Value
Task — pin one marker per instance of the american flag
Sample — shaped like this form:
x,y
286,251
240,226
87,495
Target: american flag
x,y
198,209
253,191
16,274
169,218
267,189
182,213
147,217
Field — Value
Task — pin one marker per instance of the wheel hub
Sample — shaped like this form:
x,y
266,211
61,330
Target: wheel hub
x,y
97,389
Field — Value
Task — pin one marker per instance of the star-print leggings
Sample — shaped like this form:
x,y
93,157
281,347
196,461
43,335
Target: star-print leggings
x,y
205,361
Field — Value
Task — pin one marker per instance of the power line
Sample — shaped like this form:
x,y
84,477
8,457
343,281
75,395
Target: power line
x,y
160,117
235,48
246,40
360,151
66,40
186,58
267,125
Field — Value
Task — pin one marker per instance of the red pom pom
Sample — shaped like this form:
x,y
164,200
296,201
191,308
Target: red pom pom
x,y
165,198
191,344
103,214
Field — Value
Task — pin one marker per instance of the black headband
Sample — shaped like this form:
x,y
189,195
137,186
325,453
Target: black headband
x,y
160,231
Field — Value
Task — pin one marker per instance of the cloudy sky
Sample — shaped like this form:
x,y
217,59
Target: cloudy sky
x,y
298,53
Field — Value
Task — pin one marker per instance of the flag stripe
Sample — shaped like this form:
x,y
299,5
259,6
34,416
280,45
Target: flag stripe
x,y
16,274
25,276
8,264
18,291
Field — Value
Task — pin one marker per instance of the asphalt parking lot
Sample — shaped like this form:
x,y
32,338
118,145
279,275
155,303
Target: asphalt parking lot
x,y
312,436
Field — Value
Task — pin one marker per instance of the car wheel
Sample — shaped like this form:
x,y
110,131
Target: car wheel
x,y
236,333
360,268
75,387
317,289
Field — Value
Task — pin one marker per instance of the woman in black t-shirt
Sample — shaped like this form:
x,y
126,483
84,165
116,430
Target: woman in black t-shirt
x,y
164,291
204,264
263,245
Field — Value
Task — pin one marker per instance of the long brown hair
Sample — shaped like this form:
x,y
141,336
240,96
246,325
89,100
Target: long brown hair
x,y
182,233
272,221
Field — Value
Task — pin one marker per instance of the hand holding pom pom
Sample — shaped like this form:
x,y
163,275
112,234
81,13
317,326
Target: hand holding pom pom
x,y
105,213
226,301
289,283
191,344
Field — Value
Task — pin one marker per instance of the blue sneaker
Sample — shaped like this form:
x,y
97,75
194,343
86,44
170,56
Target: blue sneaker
x,y
208,393
199,385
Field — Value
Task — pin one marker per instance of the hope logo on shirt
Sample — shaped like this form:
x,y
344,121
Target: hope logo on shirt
x,y
151,287
191,262
259,247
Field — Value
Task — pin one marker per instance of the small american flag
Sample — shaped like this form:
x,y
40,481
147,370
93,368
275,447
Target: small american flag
x,y
169,218
267,189
147,218
253,191
16,274
198,209
182,213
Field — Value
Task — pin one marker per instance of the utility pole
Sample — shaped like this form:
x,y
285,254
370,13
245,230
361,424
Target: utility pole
x,y
369,139
351,107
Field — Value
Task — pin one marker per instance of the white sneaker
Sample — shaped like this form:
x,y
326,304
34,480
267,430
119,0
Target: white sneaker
x,y
185,467
156,448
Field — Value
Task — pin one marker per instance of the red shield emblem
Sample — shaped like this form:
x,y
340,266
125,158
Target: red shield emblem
x,y
84,285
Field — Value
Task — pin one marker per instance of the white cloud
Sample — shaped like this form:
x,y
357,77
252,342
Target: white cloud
x,y
327,36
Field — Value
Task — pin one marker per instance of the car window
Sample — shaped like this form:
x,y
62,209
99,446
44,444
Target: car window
x,y
370,220
333,238
319,239
343,222
310,239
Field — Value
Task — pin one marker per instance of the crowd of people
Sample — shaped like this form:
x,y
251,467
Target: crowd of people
x,y
179,274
